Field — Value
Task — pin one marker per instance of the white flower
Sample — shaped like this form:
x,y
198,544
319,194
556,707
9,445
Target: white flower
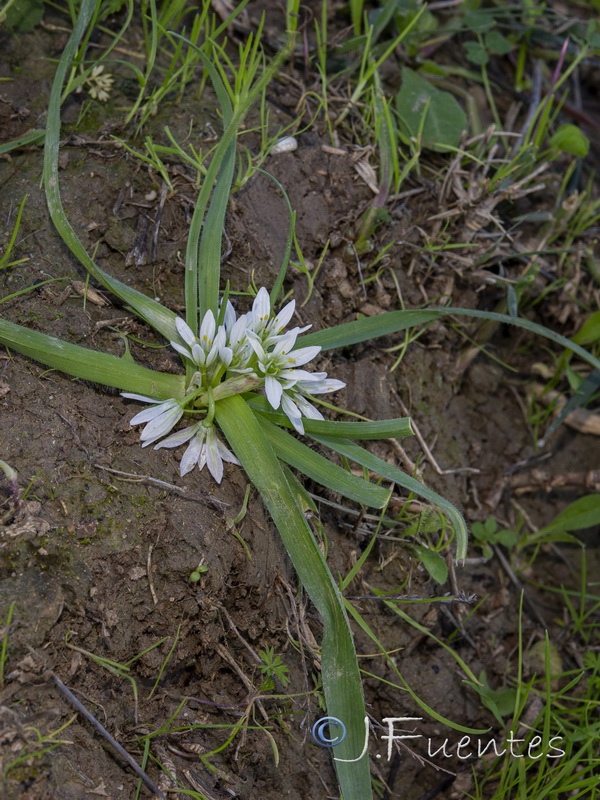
x,y
209,348
204,448
160,417
253,344
278,365
295,406
99,85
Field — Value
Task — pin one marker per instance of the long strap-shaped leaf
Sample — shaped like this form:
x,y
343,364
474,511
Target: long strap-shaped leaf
x,y
340,673
362,330
378,429
301,457
361,456
90,365
159,317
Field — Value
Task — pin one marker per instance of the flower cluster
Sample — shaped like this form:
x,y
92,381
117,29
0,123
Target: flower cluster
x,y
99,86
252,345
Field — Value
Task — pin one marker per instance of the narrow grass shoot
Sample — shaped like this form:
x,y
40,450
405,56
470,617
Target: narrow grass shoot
x,y
4,262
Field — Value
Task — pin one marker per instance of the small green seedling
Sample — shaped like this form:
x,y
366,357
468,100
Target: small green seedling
x,y
273,669
198,572
487,534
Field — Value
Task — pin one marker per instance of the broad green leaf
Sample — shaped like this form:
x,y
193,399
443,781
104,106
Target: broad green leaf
x,y
476,53
478,21
389,322
434,563
23,15
589,331
497,43
341,677
91,365
321,470
380,429
570,139
583,513
444,120
356,453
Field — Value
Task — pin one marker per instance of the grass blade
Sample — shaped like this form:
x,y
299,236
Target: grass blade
x,y
362,330
361,456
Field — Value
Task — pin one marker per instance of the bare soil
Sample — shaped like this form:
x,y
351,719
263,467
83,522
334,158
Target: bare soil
x,y
97,558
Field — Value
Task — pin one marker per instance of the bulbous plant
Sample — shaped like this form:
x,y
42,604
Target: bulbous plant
x,y
228,360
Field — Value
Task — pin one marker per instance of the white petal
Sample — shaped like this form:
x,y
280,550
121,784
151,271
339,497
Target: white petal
x,y
226,454
285,344
290,409
214,462
238,332
182,350
161,425
295,375
198,355
184,330
207,330
307,409
256,345
226,355
261,310
229,318
320,387
192,454
141,397
273,390
150,413
178,438
304,355
282,319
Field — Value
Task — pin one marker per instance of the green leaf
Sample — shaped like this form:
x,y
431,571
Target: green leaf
x,y
395,321
500,702
33,137
152,312
476,53
433,562
379,429
321,470
589,333
497,43
339,668
583,513
362,330
570,139
478,21
91,365
24,15
506,537
381,467
444,120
